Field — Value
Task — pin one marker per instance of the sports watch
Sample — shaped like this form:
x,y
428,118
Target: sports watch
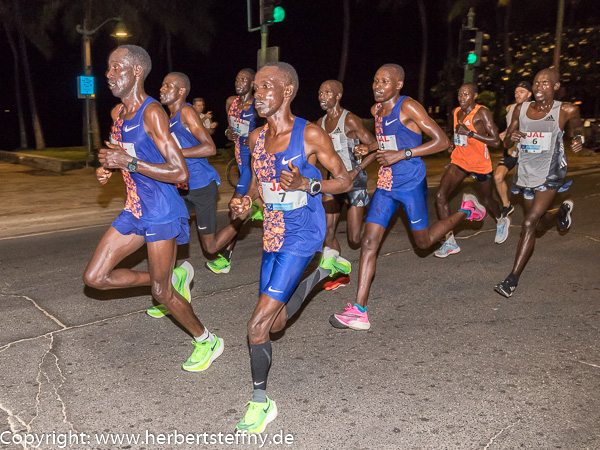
x,y
471,134
407,154
314,186
133,166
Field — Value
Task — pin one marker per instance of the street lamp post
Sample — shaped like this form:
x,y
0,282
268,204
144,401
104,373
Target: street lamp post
x,y
86,37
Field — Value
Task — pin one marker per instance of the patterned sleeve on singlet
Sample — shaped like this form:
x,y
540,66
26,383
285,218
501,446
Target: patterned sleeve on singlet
x,y
264,167
133,202
234,111
384,178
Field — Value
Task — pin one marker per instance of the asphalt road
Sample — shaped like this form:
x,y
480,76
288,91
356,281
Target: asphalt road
x,y
448,363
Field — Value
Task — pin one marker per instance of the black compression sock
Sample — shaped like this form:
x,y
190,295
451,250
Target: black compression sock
x,y
260,361
227,254
514,279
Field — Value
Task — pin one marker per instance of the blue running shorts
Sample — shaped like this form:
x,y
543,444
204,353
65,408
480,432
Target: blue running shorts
x,y
179,228
384,205
280,274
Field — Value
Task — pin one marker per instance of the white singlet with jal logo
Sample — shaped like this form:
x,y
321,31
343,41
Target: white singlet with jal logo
x,y
281,200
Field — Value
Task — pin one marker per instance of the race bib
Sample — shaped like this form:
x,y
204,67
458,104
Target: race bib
x,y
239,126
387,142
460,140
129,147
336,141
281,200
536,142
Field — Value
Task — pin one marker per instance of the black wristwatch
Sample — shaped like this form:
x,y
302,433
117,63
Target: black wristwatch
x,y
314,186
359,169
407,154
132,167
471,134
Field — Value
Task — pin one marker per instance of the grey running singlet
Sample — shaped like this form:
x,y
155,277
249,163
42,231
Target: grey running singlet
x,y
542,158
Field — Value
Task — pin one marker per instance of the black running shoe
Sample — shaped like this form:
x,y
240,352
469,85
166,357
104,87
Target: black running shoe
x,y
564,215
508,210
506,288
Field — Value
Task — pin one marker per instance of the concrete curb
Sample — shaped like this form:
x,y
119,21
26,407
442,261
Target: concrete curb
x,y
41,162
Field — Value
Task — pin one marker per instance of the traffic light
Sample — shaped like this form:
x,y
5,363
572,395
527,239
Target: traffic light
x,y
467,47
271,12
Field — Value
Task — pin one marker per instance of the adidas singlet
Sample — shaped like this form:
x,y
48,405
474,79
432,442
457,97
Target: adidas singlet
x,y
393,135
542,157
201,172
294,221
344,146
149,200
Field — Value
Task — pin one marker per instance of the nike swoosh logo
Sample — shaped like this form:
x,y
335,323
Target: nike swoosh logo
x,y
150,234
202,228
214,346
274,290
258,384
415,221
284,161
128,129
389,123
247,115
240,185
266,410
171,124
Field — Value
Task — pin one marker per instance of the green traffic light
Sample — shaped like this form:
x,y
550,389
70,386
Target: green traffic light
x,y
471,58
278,14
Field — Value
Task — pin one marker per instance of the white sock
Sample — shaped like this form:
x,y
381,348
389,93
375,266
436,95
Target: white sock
x,y
330,252
450,238
206,336
173,279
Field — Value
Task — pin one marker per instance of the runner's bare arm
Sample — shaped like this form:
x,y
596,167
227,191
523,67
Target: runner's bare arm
x,y
191,120
239,205
491,138
573,120
512,133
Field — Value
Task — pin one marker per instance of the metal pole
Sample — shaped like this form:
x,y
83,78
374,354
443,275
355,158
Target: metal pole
x,y
264,35
87,69
558,38
469,74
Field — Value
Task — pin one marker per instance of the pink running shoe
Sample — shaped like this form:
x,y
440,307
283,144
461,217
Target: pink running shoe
x,y
475,210
351,318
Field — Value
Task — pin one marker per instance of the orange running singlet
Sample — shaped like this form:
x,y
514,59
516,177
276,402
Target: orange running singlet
x,y
470,154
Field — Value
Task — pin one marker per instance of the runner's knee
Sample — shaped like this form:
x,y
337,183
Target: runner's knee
x,y
94,280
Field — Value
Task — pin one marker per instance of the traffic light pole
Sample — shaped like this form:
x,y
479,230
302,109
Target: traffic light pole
x,y
469,75
264,34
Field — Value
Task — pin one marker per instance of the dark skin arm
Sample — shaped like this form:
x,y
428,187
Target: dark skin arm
x,y
356,130
239,205
156,124
191,121
413,113
318,143
572,118
490,138
512,133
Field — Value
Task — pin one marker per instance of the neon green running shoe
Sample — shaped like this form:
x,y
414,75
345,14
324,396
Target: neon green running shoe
x,y
336,264
184,275
203,355
219,265
258,416
256,212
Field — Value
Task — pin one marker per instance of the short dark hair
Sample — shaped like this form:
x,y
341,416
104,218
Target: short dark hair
x,y
473,87
198,99
250,71
289,73
399,70
137,56
184,80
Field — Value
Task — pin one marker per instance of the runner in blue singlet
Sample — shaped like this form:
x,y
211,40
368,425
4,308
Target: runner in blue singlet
x,y
399,124
154,214
285,152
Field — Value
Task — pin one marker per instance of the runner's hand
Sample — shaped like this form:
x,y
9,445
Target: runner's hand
x,y
103,175
239,206
576,145
517,135
461,128
388,157
231,135
292,180
113,157
361,150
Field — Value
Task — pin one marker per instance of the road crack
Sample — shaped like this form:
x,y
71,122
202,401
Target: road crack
x,y
494,437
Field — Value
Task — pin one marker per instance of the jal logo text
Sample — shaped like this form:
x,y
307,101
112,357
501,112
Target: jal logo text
x,y
275,186
535,134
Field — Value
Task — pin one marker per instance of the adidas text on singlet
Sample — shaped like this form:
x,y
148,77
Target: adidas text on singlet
x,y
470,154
294,221
148,200
393,135
344,146
201,172
542,157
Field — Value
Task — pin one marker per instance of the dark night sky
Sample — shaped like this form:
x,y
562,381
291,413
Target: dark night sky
x,y
309,39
